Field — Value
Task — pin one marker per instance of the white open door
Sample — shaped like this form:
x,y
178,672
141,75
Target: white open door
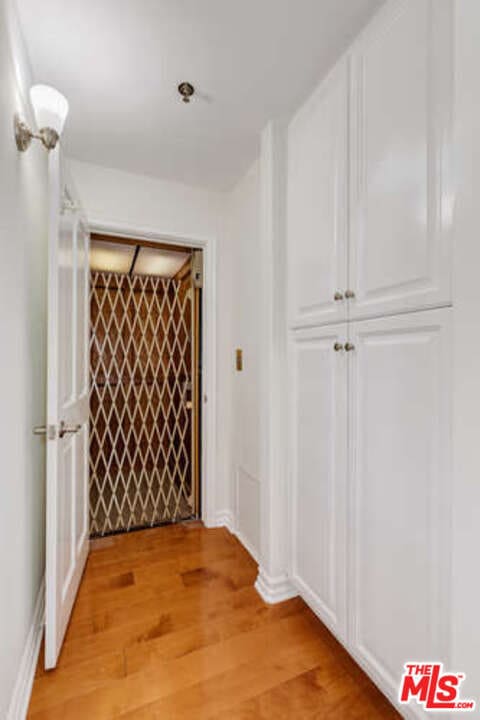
x,y
67,406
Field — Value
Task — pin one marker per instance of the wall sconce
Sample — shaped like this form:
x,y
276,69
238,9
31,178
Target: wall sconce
x,y
51,110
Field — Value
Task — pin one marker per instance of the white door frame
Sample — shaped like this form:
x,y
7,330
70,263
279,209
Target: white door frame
x,y
209,379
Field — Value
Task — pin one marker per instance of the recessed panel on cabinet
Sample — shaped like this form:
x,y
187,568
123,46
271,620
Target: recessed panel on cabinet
x,y
399,547
317,204
318,366
401,195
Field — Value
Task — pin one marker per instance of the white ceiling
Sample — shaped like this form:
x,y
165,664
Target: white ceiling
x,y
119,63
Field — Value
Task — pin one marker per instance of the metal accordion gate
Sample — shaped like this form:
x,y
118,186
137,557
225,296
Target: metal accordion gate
x,y
141,396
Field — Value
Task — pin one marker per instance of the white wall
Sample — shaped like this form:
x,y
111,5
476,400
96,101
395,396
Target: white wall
x,y
240,296
116,197
123,201
466,351
23,225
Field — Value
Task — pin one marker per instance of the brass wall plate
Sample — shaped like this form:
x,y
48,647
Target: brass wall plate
x,y
197,268
239,359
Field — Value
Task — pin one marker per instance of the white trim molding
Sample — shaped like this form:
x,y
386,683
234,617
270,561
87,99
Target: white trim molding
x,y
209,348
225,518
274,589
274,518
18,707
246,544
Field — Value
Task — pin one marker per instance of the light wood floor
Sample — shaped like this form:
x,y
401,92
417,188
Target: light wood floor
x,y
168,625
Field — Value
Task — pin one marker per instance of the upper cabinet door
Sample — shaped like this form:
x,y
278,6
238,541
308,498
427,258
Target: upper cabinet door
x,y
401,194
317,205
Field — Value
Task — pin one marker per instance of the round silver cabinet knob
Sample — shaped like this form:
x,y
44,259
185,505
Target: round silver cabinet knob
x,y
337,346
349,347
349,294
338,296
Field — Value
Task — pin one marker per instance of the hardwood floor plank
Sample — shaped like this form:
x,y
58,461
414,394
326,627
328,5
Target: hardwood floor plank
x,y
219,694
76,680
156,563
186,604
202,634
174,612
180,674
168,625
324,692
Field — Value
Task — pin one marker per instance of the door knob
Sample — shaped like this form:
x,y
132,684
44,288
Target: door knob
x,y
64,429
337,346
338,296
349,294
349,347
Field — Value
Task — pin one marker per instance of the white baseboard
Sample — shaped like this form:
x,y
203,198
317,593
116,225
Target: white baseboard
x,y
18,707
274,589
247,545
225,518
271,589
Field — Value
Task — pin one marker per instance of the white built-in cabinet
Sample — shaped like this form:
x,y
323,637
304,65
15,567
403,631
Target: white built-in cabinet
x,y
399,494
369,174
320,461
400,164
369,217
317,204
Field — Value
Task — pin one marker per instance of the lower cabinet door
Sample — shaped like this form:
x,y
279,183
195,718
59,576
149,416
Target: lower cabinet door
x,y
319,434
399,493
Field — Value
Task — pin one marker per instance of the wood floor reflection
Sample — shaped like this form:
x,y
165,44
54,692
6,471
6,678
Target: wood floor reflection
x,y
168,626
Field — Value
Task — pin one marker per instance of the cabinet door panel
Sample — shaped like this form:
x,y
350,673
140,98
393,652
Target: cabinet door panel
x,y
319,471
400,497
400,138
317,204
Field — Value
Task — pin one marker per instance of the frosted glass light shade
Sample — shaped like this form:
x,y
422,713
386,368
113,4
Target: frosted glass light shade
x,y
165,263
110,257
50,107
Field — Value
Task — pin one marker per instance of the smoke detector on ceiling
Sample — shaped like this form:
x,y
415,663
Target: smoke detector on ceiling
x,y
186,90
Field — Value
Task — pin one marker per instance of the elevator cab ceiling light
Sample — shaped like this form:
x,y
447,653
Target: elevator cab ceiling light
x,y
164,263
111,257
126,259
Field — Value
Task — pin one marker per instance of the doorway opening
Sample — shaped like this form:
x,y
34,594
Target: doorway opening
x,y
145,384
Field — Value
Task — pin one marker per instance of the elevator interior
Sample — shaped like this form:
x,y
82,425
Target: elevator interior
x,y
145,384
